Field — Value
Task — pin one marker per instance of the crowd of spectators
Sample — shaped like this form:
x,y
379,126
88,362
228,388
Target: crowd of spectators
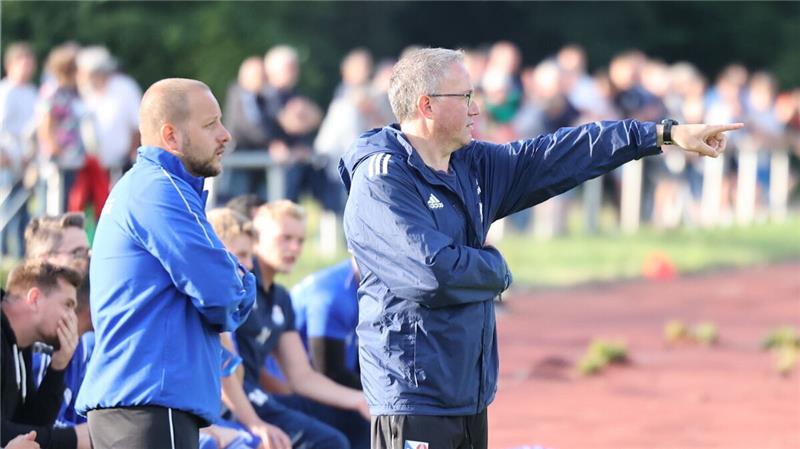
x,y
523,101
82,121
82,118
264,110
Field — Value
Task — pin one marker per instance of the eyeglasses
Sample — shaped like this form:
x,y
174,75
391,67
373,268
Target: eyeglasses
x,y
467,95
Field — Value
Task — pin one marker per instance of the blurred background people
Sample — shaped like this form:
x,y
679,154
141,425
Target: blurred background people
x,y
253,127
64,123
113,99
17,106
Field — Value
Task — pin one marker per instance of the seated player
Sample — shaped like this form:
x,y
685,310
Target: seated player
x,y
326,314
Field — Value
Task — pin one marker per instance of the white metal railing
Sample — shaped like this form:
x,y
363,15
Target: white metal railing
x,y
329,227
253,160
49,190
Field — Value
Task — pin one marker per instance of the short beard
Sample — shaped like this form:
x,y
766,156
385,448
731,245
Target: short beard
x,y
204,169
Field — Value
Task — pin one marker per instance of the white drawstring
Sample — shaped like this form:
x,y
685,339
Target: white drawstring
x,y
171,429
22,378
16,365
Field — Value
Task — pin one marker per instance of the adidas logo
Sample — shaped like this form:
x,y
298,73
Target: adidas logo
x,y
434,203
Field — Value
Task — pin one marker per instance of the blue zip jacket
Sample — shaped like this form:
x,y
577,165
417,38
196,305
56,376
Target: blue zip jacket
x,y
426,330
163,288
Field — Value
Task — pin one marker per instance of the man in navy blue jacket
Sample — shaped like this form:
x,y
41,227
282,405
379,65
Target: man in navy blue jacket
x,y
423,194
163,285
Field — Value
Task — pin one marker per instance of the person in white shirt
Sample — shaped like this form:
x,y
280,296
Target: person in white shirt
x,y
17,105
113,98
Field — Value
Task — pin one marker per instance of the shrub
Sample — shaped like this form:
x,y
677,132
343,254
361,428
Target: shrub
x,y
786,359
779,337
675,331
706,333
600,354
784,343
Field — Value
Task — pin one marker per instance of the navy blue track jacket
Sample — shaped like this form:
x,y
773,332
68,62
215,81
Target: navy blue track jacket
x,y
426,312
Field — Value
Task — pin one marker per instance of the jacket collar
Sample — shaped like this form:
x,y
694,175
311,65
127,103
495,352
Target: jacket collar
x,y
172,164
459,167
415,160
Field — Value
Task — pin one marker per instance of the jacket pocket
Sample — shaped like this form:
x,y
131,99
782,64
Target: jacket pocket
x,y
448,353
398,335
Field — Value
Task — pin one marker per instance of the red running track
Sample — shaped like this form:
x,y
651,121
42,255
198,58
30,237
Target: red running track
x,y
670,396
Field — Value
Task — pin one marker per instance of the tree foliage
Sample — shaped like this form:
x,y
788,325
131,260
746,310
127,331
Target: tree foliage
x,y
208,40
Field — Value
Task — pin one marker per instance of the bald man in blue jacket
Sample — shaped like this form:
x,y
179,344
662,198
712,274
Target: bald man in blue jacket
x,y
163,285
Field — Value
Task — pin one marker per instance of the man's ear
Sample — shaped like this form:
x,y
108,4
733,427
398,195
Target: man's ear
x,y
171,138
424,106
33,296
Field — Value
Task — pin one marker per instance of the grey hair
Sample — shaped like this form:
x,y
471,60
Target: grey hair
x,y
279,54
418,73
96,59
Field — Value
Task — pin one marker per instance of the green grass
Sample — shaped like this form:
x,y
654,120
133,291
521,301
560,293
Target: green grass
x,y
582,258
588,258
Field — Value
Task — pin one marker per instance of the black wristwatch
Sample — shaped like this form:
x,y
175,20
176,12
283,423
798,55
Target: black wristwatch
x,y
666,133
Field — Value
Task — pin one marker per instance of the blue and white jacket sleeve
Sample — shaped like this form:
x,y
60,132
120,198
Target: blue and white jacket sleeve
x,y
392,233
171,224
524,173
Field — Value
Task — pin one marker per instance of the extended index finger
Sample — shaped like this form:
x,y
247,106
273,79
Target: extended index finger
x,y
726,127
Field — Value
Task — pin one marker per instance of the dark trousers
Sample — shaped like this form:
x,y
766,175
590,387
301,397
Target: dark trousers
x,y
309,424
305,177
240,181
147,427
350,424
430,432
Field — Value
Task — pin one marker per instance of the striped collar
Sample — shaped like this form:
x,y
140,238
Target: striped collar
x,y
172,164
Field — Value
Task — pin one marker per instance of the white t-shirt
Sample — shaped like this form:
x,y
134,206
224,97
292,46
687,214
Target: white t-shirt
x,y
17,107
116,118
